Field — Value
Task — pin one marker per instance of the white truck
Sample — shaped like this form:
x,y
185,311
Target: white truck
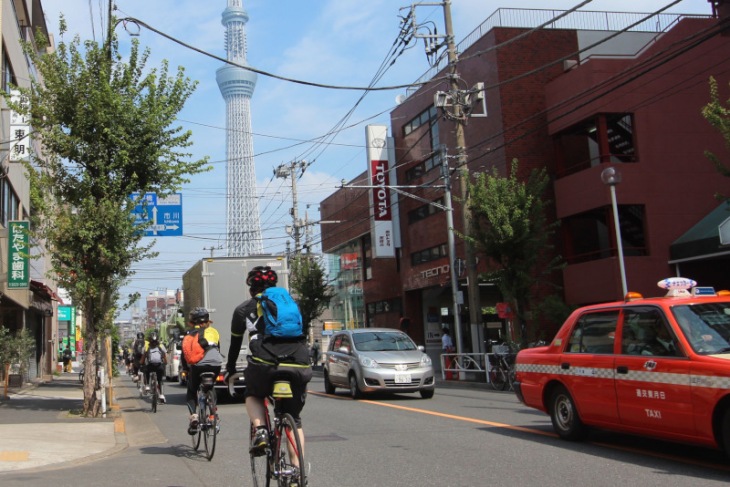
x,y
219,285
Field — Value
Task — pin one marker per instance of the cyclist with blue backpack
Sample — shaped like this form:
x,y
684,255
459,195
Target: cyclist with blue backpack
x,y
277,346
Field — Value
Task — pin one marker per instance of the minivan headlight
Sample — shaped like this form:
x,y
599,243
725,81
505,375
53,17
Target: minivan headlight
x,y
368,362
425,360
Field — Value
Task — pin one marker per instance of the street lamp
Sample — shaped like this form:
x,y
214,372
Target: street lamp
x,y
611,177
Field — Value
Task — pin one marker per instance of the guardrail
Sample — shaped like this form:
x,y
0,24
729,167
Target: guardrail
x,y
462,363
477,364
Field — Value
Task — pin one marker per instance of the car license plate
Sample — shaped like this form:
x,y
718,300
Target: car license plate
x,y
402,378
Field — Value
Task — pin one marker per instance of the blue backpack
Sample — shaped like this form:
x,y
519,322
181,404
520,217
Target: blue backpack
x,y
281,314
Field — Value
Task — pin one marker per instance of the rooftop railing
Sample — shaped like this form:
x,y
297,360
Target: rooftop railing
x,y
578,20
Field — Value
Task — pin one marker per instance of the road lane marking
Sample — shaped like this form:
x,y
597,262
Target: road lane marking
x,y
14,456
463,418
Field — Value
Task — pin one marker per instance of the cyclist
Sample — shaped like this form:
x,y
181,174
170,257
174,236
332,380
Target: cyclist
x,y
267,357
154,360
138,348
201,353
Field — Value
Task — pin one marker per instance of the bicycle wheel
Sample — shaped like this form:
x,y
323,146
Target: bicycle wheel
x,y
289,456
155,392
197,436
260,465
498,378
210,424
511,376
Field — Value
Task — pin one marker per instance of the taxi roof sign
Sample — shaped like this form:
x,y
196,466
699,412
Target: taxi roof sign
x,y
677,287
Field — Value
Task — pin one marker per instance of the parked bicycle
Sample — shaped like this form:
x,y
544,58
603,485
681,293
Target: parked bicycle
x,y
208,419
501,368
284,459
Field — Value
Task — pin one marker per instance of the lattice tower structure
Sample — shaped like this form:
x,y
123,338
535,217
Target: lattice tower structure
x,y
243,223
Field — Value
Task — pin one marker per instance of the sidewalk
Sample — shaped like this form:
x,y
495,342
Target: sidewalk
x,y
37,430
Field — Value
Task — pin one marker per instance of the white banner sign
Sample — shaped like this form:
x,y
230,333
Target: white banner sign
x,y
19,130
376,138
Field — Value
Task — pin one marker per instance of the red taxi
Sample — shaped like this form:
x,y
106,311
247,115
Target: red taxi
x,y
657,367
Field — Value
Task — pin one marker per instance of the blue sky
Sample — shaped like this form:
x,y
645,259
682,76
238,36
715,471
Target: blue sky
x,y
332,42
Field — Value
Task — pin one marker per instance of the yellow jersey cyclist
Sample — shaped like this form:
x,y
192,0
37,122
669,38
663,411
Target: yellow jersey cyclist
x,y
268,357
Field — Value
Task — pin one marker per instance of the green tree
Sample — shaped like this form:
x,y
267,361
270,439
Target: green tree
x,y
512,231
308,282
16,348
718,115
107,128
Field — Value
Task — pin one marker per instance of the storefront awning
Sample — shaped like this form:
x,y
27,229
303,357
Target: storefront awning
x,y
702,241
41,288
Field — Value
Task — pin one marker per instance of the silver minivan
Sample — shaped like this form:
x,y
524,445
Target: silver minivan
x,y
377,359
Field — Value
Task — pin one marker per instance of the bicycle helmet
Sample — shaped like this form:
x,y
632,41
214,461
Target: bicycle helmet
x,y
140,336
261,277
154,336
198,316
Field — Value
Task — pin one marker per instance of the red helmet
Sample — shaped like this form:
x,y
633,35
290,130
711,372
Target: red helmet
x,y
261,277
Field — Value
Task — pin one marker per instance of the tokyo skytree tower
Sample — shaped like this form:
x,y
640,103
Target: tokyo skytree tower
x,y
237,84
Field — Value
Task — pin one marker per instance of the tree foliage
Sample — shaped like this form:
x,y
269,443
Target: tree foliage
x,y
718,115
511,230
309,284
107,128
16,348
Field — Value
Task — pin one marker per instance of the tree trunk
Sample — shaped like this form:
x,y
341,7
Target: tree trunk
x,y
92,403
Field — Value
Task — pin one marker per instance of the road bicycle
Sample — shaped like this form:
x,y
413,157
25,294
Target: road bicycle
x,y
283,461
501,373
155,391
207,410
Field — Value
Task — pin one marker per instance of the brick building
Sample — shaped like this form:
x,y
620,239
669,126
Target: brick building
x,y
574,100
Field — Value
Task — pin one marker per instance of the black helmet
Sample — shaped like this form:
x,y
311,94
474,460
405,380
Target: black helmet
x,y
261,278
198,316
154,336
140,336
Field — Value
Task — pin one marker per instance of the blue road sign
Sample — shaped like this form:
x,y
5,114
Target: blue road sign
x,y
165,214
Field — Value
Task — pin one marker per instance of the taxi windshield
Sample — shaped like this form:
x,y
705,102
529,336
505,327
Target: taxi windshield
x,y
706,326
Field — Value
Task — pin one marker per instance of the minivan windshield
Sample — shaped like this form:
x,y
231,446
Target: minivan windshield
x,y
378,341
706,326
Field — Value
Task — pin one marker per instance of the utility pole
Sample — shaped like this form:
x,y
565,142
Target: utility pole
x,y
460,120
462,101
283,171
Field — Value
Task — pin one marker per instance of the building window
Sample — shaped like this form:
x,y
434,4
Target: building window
x,y
9,203
428,255
431,113
430,117
8,73
590,236
424,211
367,252
605,138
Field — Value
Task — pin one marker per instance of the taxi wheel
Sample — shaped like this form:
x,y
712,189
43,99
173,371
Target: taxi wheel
x,y
564,415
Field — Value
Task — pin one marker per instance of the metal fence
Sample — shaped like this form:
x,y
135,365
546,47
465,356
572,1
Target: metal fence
x,y
578,20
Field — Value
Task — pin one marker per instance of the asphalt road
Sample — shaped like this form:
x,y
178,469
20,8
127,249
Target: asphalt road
x,y
460,437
